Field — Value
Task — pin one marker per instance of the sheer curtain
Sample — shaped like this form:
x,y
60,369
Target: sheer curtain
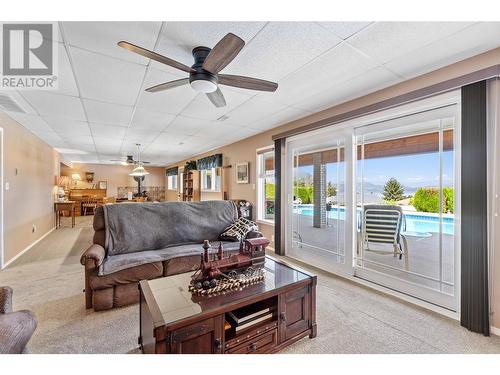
x,y
493,136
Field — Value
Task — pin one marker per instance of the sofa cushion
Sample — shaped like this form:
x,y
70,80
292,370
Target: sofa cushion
x,y
130,275
120,262
142,227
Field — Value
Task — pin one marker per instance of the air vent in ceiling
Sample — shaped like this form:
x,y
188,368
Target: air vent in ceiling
x,y
9,105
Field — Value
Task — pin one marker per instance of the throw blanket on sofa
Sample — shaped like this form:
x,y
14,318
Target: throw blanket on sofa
x,y
136,227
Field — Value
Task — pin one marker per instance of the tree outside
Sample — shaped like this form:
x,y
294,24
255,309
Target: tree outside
x,y
331,189
393,191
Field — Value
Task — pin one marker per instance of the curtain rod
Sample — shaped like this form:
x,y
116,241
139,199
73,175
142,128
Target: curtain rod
x,y
425,92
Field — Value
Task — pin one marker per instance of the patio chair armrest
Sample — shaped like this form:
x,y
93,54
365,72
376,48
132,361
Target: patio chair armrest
x,y
94,254
5,299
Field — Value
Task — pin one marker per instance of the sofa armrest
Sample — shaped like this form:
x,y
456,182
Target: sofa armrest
x,y
94,254
254,234
5,299
17,329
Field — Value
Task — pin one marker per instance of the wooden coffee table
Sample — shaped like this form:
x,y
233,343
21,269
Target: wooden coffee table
x,y
172,320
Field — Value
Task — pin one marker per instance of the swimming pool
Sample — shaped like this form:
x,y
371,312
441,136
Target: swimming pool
x,y
416,223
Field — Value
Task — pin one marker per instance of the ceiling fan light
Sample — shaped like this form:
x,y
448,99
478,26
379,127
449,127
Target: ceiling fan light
x,y
203,85
138,171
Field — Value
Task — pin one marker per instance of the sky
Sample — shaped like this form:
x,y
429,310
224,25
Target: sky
x,y
421,170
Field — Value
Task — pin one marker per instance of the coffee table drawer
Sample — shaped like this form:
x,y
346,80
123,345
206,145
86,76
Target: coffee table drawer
x,y
257,345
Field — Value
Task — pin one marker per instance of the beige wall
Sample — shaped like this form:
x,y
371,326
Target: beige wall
x,y
245,150
115,175
30,198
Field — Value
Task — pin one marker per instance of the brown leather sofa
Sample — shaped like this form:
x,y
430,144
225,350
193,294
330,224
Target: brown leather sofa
x,y
105,290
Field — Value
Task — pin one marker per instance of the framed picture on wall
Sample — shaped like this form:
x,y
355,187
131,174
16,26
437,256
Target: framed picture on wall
x,y
242,173
103,184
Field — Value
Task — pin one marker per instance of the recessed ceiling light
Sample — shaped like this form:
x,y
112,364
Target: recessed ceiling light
x,y
222,118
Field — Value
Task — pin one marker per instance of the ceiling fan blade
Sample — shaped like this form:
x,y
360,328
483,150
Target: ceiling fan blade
x,y
155,56
247,82
217,98
168,85
223,53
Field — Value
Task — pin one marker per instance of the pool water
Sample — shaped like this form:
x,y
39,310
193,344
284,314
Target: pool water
x,y
416,224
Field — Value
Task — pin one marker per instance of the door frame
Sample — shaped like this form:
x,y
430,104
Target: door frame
x,y
2,239
340,133
348,127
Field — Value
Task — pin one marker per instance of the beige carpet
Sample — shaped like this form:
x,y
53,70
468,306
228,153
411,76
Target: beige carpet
x,y
351,319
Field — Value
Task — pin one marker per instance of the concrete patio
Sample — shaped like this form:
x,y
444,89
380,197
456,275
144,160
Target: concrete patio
x,y
423,253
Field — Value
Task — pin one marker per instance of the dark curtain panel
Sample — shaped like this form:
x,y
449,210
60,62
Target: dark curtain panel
x,y
172,171
278,144
474,313
209,162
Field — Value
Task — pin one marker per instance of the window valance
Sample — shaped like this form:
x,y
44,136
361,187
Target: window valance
x,y
209,162
172,171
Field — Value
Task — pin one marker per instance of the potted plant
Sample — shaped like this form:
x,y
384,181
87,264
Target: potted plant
x,y
190,166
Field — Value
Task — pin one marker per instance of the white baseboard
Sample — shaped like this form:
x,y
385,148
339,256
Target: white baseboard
x,y
27,248
495,331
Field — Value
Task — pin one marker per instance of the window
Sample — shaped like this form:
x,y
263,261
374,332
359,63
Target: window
x,y
211,180
172,182
265,185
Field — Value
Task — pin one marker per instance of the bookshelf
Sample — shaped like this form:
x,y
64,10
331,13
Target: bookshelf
x,y
191,186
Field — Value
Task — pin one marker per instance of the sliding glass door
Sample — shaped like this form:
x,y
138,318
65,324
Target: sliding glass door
x,y
377,198
317,198
406,173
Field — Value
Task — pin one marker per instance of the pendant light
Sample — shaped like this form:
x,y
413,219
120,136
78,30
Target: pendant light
x,y
139,170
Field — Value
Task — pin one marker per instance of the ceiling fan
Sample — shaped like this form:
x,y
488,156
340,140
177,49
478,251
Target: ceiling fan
x,y
204,73
129,160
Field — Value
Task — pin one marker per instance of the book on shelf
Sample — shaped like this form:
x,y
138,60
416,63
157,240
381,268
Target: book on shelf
x,y
254,321
240,316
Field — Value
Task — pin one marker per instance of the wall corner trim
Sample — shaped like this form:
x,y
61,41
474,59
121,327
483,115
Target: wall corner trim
x,y
495,330
27,248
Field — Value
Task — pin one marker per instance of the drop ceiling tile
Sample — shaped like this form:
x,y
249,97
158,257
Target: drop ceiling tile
x,y
468,42
279,118
281,48
146,120
141,136
51,138
107,79
18,98
66,126
361,85
217,131
107,141
109,146
108,149
168,139
102,37
344,30
85,142
384,41
339,65
65,77
48,104
178,39
202,108
187,125
31,122
107,131
108,113
168,101
253,110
